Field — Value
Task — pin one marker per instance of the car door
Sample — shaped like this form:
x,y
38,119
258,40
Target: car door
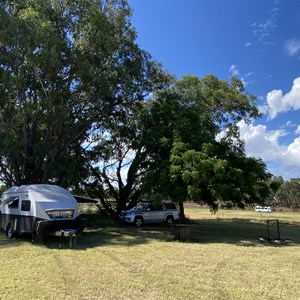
x,y
153,214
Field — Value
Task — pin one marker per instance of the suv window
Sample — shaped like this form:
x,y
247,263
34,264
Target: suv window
x,y
170,205
150,207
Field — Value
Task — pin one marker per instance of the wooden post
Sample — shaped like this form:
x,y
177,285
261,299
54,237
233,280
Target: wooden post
x,y
183,232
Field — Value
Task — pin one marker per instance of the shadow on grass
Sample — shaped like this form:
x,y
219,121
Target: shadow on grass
x,y
245,232
102,231
98,232
6,243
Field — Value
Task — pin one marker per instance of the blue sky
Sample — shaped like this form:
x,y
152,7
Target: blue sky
x,y
258,41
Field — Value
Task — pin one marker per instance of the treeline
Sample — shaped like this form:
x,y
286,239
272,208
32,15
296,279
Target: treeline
x,y
287,194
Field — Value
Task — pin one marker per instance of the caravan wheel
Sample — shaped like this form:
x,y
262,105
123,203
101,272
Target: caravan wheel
x,y
9,231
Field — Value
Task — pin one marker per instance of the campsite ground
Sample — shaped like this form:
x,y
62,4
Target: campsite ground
x,y
225,259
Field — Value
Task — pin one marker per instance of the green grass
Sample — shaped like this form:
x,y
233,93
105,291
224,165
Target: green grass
x,y
224,260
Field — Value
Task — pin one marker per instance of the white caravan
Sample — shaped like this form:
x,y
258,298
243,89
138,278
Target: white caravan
x,y
38,208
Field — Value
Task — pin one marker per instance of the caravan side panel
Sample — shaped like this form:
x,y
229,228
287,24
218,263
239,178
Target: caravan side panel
x,y
19,223
16,212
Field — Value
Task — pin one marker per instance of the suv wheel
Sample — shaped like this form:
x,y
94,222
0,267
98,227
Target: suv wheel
x,y
138,221
169,220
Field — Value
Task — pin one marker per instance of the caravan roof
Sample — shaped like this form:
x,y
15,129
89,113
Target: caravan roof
x,y
42,188
42,192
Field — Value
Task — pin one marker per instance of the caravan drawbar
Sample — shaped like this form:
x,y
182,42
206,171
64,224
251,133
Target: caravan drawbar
x,y
38,209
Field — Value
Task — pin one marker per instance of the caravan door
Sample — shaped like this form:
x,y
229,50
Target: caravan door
x,y
16,215
10,214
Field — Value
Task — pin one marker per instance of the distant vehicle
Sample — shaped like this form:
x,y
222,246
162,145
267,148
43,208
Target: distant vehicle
x,y
38,209
263,208
147,212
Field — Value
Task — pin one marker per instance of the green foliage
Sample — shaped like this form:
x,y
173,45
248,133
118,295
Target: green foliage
x,y
286,193
194,162
221,175
66,69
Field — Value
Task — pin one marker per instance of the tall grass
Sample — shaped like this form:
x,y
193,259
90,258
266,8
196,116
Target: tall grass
x,y
225,259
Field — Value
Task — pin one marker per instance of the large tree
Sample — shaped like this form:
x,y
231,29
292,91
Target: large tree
x,y
198,154
66,68
119,158
117,163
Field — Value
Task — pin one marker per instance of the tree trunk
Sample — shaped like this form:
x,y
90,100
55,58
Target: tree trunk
x,y
181,212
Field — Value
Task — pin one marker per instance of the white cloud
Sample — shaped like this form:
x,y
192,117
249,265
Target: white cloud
x,y
278,102
291,156
260,142
248,44
263,109
234,70
249,74
292,47
245,78
264,144
288,123
263,29
275,103
282,159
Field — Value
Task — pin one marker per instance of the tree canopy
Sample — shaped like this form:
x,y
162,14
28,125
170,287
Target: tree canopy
x,y
66,68
199,154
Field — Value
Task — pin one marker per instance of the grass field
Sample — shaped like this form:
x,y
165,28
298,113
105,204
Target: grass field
x,y
225,259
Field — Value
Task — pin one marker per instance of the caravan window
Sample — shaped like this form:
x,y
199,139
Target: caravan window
x,y
60,213
25,206
13,202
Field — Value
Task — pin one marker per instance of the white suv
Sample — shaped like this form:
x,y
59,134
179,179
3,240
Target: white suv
x,y
263,208
147,212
